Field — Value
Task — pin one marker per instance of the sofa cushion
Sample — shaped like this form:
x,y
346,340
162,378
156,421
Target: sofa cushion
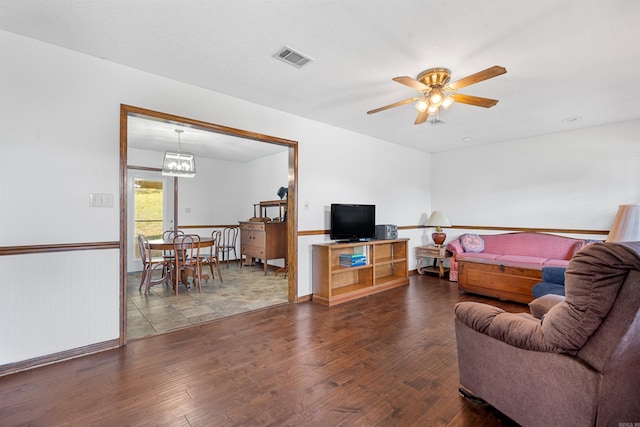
x,y
556,263
471,256
492,259
472,243
510,259
530,244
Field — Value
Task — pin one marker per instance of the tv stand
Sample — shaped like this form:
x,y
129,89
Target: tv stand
x,y
386,268
353,241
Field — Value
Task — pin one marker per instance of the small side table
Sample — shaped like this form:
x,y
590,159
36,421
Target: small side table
x,y
438,253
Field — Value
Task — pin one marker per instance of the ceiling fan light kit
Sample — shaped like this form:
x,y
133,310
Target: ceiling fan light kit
x,y
447,101
436,91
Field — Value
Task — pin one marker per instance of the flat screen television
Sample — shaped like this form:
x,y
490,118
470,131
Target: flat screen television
x,y
352,223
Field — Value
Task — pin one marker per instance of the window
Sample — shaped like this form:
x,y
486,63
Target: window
x,y
148,218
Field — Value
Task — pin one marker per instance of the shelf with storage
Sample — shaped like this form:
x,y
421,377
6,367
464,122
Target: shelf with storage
x,y
386,267
260,208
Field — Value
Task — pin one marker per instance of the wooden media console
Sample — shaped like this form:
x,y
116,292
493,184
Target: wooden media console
x,y
386,267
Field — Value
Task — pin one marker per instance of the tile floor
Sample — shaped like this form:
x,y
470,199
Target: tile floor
x,y
244,289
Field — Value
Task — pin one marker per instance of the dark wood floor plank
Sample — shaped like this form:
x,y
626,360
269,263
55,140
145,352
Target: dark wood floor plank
x,y
385,360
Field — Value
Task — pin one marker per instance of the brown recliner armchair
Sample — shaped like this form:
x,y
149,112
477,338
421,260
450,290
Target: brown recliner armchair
x,y
575,361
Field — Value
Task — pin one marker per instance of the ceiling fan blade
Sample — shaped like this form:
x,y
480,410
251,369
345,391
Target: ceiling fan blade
x,y
491,72
474,100
422,117
395,104
412,83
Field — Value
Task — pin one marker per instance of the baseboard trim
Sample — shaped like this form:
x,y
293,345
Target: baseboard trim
x,y
24,365
304,298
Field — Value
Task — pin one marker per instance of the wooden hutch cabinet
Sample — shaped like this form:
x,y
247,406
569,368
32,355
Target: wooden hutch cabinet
x,y
262,237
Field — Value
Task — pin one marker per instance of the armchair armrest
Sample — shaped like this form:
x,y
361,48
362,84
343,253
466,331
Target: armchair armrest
x,y
455,247
516,329
540,306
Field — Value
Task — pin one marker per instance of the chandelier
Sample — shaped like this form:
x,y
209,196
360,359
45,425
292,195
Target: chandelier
x,y
178,163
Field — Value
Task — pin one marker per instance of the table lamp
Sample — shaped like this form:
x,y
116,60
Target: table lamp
x,y
438,220
626,226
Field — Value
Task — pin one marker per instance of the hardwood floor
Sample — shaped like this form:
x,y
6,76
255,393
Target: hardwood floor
x,y
385,360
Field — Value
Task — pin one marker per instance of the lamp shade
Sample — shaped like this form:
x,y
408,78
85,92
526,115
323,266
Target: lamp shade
x,y
626,226
438,219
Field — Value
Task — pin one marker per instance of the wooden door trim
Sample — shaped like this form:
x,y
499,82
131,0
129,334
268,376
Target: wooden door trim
x,y
292,214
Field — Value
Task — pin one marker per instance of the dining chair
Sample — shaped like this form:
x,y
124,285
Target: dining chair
x,y
212,257
187,261
228,243
150,264
168,235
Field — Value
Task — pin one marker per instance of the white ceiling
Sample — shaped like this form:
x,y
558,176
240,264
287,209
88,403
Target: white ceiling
x,y
149,134
564,58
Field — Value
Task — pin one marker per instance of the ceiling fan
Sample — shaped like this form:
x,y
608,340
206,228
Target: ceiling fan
x,y
436,91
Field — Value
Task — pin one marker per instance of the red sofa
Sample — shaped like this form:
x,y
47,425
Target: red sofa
x,y
507,265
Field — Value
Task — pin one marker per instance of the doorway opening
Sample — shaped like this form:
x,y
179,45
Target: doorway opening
x,y
132,223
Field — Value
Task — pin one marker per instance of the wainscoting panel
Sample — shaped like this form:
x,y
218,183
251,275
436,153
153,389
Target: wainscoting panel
x,y
52,302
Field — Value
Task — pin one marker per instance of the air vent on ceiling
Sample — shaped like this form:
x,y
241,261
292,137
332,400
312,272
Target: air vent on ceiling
x,y
292,57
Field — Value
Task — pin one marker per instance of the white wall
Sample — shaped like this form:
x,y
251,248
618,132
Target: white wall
x,y
60,109
222,192
569,180
263,177
57,301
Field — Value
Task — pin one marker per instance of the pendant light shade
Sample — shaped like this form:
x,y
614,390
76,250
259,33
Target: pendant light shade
x,y
178,163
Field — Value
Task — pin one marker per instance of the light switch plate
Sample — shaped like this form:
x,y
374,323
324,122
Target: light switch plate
x,y
100,200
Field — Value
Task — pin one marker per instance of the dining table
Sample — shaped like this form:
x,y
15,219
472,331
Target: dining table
x,y
167,245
